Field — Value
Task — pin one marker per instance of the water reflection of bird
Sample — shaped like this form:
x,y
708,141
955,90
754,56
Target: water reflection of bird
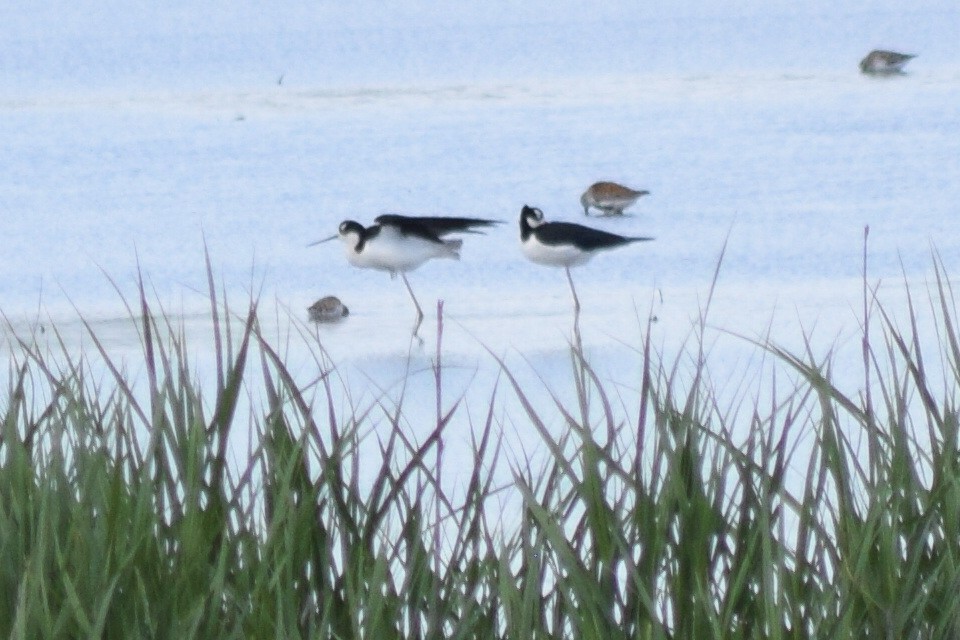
x,y
328,309
881,62
609,197
565,244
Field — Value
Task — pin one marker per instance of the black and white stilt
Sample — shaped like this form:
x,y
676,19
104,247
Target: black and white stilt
x,y
565,244
398,244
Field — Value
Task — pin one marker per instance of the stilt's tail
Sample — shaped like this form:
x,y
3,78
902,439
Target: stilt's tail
x,y
453,248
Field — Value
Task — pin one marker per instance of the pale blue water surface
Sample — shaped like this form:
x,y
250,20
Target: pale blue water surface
x,y
135,133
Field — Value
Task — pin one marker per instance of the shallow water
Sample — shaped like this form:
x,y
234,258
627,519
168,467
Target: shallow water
x,y
137,136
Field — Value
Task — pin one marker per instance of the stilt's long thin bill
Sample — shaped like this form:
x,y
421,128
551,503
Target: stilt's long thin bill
x,y
333,237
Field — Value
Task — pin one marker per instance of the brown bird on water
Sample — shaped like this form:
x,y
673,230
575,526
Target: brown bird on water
x,y
881,62
327,309
609,197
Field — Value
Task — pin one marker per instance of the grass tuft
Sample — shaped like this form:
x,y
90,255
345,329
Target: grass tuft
x,y
126,509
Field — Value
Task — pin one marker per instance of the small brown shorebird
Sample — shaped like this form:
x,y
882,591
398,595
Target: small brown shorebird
x,y
881,62
328,309
609,197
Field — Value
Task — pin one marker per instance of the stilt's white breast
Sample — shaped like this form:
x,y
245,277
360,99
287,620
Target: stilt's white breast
x,y
390,250
561,255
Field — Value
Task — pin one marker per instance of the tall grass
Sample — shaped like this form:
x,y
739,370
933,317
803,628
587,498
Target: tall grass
x,y
658,513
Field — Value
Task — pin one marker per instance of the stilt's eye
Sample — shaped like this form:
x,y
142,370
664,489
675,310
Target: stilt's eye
x,y
343,227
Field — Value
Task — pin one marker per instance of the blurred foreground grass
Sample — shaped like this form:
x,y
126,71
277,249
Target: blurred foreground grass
x,y
121,514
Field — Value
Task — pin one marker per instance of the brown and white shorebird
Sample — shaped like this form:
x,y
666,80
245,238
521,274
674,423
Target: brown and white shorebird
x,y
882,62
609,197
327,309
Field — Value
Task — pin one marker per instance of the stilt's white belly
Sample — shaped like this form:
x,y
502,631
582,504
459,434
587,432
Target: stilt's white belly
x,y
391,251
554,255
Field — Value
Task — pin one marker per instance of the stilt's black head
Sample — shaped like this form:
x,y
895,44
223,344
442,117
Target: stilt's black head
x,y
354,234
530,217
349,226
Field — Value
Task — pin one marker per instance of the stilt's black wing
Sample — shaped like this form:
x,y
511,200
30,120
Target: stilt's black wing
x,y
586,238
407,226
437,225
